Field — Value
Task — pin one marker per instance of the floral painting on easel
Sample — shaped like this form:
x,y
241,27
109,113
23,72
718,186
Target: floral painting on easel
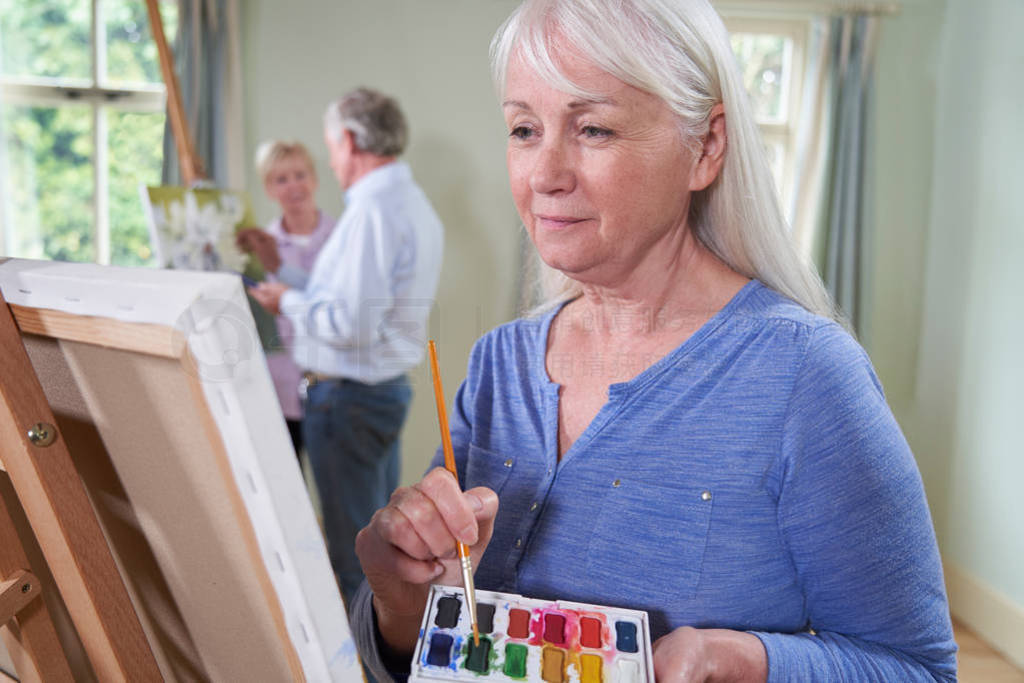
x,y
194,229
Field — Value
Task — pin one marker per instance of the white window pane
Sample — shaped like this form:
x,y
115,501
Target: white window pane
x,y
135,142
48,182
131,52
45,38
764,63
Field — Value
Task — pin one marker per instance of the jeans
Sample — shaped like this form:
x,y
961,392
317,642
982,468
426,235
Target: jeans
x,y
351,432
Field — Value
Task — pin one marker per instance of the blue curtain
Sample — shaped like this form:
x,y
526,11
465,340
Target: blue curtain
x,y
202,58
843,221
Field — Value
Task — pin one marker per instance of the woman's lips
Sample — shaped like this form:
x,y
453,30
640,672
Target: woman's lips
x,y
557,222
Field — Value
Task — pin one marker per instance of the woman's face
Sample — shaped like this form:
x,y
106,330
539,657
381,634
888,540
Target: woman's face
x,y
291,183
602,185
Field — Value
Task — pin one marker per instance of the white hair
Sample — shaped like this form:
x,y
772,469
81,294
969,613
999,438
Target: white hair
x,y
679,51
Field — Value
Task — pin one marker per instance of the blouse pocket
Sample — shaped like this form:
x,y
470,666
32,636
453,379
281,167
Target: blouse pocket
x,y
648,543
487,468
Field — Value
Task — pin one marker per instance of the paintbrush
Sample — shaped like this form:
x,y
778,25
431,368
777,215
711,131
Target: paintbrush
x,y
449,464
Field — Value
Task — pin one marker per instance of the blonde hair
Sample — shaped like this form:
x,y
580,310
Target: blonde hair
x,y
270,153
679,51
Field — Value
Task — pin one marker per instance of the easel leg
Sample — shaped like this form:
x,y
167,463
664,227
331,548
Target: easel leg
x,y
62,518
30,637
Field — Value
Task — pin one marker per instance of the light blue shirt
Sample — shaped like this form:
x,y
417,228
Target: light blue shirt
x,y
752,479
292,275
363,313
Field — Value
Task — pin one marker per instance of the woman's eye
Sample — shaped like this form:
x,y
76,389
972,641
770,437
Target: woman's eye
x,y
520,133
595,132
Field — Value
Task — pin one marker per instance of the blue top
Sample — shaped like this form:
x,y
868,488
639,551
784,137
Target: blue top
x,y
752,479
363,313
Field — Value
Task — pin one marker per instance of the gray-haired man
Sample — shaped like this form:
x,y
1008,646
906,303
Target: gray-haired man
x,y
361,319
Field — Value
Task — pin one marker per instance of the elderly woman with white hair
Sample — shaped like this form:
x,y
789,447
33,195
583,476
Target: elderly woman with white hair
x,y
686,429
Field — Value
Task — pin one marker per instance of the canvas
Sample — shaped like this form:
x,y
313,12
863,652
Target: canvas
x,y
194,229
162,395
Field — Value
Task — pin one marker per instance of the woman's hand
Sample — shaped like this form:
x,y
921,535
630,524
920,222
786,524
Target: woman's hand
x,y
261,244
268,295
690,655
411,543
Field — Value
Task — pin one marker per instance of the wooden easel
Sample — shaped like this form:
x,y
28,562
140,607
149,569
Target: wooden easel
x,y
38,468
191,165
151,490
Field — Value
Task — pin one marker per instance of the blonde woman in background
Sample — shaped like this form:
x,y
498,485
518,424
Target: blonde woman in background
x,y
287,249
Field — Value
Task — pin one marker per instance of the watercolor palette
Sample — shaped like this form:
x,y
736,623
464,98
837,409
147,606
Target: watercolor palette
x,y
522,639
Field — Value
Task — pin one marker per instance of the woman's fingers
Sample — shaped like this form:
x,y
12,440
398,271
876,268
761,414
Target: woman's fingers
x,y
422,525
408,568
421,519
411,542
397,529
245,237
484,503
429,519
455,509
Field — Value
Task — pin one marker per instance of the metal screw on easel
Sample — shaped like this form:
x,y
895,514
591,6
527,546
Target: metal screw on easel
x,y
42,434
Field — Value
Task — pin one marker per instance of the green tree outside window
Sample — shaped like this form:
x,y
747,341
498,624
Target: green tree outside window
x,y
61,115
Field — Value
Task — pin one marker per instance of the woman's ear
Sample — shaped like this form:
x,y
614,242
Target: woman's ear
x,y
712,151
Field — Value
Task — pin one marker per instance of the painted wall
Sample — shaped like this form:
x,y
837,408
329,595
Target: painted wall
x,y
947,323
432,56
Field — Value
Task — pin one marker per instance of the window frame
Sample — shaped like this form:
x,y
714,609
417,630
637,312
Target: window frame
x,y
100,96
797,28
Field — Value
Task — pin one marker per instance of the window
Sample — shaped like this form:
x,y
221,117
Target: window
x,y
81,127
771,54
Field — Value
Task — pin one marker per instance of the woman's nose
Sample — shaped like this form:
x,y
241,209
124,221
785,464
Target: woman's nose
x,y
553,169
